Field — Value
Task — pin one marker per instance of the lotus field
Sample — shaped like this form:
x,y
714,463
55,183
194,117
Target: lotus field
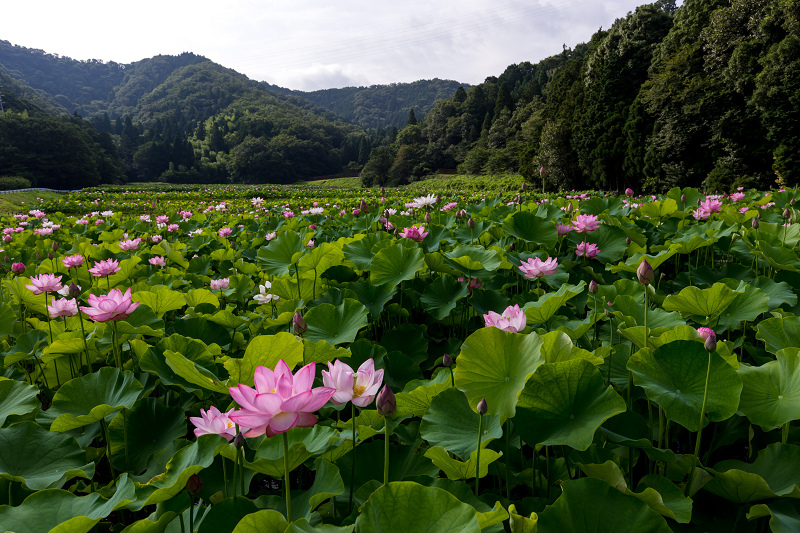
x,y
306,359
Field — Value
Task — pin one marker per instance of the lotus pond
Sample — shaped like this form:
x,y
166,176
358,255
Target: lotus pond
x,y
293,359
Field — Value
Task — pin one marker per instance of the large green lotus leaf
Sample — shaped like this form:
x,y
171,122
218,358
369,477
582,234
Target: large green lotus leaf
x,y
374,298
188,460
202,329
69,342
153,359
610,240
590,505
631,312
771,392
664,497
522,524
779,293
196,297
674,377
266,521
703,305
542,310
629,429
785,517
777,257
224,515
142,322
154,525
565,403
39,458
452,424
127,271
360,252
303,444
16,398
690,193
658,210
466,235
678,333
775,473
474,261
442,295
529,227
321,258
455,469
395,264
91,398
494,364
688,243
417,396
779,333
746,307
194,373
436,234
327,483
136,434
161,300
336,325
281,253
59,511
408,506
304,526
557,346
267,351
322,352
8,319
633,262
28,345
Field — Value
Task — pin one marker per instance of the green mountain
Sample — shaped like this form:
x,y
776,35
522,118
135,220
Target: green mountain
x,y
379,106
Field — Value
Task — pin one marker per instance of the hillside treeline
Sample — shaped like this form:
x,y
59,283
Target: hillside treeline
x,y
708,93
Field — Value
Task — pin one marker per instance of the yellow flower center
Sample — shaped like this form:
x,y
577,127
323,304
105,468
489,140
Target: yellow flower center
x,y
230,424
358,390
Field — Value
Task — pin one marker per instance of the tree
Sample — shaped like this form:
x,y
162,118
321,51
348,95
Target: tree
x,y
412,119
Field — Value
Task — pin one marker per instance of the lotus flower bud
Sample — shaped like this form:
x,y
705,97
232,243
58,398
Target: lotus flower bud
x,y
238,440
54,246
683,198
512,246
38,256
628,241
711,343
608,313
447,360
7,259
74,290
524,187
194,485
628,192
383,191
755,223
500,194
593,287
787,213
645,273
471,223
427,218
482,407
570,208
543,172
461,214
364,207
299,323
699,201
356,212
791,202
386,403
7,238
50,256
312,226
438,198
18,268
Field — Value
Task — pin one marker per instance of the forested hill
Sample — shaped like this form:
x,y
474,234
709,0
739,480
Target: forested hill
x,y
708,93
381,105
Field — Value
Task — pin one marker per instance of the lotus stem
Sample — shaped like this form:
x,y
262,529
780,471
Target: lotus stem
x,y
353,464
387,432
191,513
286,478
478,456
183,528
224,478
508,440
700,429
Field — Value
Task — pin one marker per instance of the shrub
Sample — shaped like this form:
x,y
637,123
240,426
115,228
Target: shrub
x,y
9,183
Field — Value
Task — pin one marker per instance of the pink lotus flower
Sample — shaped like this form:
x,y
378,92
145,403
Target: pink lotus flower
x,y
270,236
130,244
414,233
162,219
73,261
173,227
536,268
112,306
18,268
359,387
63,307
587,249
628,192
706,333
585,223
105,268
474,283
157,261
220,284
280,401
737,196
225,232
512,320
213,422
44,283
155,239
563,229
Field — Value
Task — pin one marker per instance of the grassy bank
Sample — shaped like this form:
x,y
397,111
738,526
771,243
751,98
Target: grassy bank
x,y
22,202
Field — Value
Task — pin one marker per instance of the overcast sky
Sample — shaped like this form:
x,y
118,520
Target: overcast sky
x,y
316,44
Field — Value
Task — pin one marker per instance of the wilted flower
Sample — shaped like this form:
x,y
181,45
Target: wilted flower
x,y
112,306
360,387
512,320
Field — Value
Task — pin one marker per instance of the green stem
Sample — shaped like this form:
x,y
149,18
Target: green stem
x,y
353,462
235,471
286,477
224,478
240,457
183,528
387,432
700,430
478,456
85,345
104,427
191,513
297,274
508,441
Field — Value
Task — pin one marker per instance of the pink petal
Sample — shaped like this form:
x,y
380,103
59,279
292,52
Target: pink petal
x,y
244,396
319,397
268,403
306,420
296,402
264,379
304,379
250,419
283,422
282,369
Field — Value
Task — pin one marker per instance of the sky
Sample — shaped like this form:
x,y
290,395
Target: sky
x,y
317,44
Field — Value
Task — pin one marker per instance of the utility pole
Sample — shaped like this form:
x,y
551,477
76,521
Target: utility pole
x,y
1,100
